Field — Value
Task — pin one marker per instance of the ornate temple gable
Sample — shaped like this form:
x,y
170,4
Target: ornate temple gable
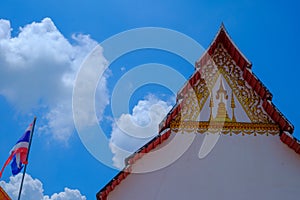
x,y
249,100
213,99
223,59
223,37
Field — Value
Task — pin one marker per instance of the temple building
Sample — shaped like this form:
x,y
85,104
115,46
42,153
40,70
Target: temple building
x,y
223,139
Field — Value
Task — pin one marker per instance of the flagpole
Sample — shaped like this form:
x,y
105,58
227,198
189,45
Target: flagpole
x,y
21,186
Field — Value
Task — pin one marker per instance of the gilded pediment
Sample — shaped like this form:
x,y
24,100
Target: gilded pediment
x,y
222,101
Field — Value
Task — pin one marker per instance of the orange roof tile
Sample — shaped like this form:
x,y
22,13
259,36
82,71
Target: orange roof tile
x,y
4,195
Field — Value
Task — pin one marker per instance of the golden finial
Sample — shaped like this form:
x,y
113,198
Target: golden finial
x,y
211,102
220,91
232,107
211,105
232,101
222,112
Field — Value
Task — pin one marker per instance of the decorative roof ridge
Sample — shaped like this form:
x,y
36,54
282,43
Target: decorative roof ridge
x,y
236,47
232,48
257,84
290,141
223,36
277,116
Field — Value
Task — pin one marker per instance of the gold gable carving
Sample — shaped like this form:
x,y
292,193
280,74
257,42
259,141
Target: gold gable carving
x,y
221,63
225,127
250,101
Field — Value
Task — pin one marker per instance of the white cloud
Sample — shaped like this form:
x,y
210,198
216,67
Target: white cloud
x,y
4,29
37,71
68,194
131,131
33,189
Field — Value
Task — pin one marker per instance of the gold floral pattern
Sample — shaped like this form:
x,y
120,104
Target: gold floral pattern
x,y
221,63
249,100
225,127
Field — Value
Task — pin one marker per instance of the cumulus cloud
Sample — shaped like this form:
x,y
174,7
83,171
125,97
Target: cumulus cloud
x,y
33,189
37,72
4,29
67,194
131,131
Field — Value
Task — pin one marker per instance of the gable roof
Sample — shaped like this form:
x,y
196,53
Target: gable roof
x,y
286,128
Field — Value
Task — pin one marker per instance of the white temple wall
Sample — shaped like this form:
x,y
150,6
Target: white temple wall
x,y
238,167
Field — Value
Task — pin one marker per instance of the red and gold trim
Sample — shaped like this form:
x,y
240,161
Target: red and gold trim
x,y
225,127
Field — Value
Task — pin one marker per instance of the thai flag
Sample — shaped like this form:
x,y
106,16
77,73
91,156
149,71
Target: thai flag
x,y
18,154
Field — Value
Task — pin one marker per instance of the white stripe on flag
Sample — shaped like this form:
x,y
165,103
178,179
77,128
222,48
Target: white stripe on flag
x,y
19,145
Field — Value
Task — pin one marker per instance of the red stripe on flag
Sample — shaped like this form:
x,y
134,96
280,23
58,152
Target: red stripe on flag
x,y
6,163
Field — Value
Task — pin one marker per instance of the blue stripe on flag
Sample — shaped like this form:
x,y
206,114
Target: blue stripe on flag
x,y
14,166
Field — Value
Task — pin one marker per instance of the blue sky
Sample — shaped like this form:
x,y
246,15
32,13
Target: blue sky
x,y
266,32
